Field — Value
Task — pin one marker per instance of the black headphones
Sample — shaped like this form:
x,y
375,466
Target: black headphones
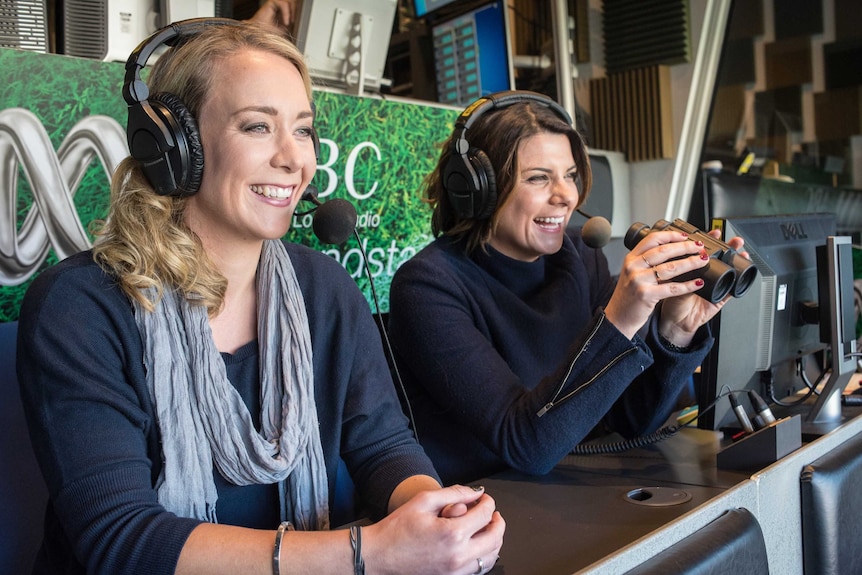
x,y
162,134
468,176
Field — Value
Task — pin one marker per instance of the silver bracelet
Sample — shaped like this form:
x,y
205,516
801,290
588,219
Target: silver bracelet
x,y
276,551
356,544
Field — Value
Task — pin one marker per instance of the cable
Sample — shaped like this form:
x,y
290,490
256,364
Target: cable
x,y
767,379
310,195
660,435
619,446
803,375
385,335
305,213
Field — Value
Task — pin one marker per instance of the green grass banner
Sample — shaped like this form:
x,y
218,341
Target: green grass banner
x,y
62,123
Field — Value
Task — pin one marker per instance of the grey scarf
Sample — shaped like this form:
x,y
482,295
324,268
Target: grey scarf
x,y
203,419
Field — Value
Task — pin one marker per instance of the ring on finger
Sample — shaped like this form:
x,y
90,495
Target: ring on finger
x,y
646,261
481,568
657,277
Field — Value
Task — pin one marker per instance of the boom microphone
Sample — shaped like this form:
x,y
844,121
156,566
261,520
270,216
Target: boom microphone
x,y
334,220
596,232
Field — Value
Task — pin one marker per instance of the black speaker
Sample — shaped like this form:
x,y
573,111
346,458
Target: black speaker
x,y
468,176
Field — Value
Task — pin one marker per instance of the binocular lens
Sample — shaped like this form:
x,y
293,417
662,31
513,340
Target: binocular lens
x,y
723,285
727,271
744,280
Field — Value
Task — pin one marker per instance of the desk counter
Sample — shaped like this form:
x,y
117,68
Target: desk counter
x,y
605,514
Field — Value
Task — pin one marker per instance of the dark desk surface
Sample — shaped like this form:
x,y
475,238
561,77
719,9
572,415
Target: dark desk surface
x,y
591,506
592,514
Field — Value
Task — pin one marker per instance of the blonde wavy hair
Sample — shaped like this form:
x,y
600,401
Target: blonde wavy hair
x,y
144,242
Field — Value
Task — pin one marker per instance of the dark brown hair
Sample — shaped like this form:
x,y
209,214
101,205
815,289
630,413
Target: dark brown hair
x,y
499,133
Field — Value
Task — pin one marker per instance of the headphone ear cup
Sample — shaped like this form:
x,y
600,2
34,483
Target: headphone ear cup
x,y
470,184
486,195
181,171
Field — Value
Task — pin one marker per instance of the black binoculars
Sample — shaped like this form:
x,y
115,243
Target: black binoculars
x,y
727,271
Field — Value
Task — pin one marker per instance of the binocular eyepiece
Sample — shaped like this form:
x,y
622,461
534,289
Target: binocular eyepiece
x,y
727,271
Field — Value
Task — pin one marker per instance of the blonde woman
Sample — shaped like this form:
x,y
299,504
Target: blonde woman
x,y
197,388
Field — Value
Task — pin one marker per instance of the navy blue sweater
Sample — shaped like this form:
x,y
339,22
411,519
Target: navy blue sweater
x,y
95,435
511,364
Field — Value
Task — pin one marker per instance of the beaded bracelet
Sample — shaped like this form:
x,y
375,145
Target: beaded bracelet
x,y
670,346
356,543
276,551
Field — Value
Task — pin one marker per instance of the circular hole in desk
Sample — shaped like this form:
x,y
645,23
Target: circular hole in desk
x,y
657,496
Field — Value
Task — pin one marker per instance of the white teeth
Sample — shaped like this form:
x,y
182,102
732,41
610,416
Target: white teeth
x,y
272,191
557,220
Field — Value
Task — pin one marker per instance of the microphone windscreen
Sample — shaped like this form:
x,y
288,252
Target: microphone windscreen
x,y
334,221
596,232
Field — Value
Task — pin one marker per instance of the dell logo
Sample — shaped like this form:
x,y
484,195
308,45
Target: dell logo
x,y
793,231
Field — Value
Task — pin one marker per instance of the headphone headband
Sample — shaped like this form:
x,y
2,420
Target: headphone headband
x,y
507,98
134,89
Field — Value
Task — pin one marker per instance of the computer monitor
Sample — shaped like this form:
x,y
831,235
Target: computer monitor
x,y
761,336
610,196
422,8
472,54
176,10
346,40
837,316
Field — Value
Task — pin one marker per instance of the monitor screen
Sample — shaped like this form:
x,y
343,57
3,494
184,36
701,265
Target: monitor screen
x,y
424,7
472,54
760,337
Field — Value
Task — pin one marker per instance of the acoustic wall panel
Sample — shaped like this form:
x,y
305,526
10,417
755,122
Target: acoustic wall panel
x,y
639,34
632,113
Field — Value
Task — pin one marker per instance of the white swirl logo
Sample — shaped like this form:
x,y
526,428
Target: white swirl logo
x,y
52,221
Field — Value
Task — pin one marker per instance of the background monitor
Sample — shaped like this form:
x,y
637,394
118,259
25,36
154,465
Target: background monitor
x,y
176,10
720,193
723,194
422,8
472,54
761,337
341,38
610,195
107,30
837,316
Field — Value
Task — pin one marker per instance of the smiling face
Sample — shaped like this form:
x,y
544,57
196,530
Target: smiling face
x,y
256,133
532,220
